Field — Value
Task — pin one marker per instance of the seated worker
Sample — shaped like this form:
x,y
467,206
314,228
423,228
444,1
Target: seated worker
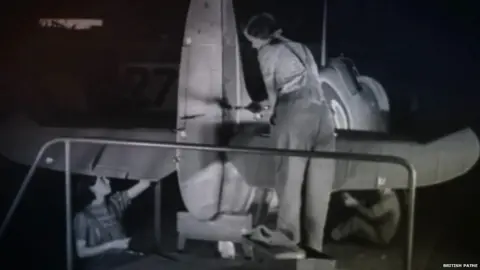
x,y
377,224
302,120
99,237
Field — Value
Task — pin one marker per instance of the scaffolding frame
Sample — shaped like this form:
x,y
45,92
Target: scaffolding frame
x,y
67,141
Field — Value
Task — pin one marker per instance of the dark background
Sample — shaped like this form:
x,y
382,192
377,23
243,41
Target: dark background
x,y
422,50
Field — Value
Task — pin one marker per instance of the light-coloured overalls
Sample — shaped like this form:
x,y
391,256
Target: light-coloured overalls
x,y
301,120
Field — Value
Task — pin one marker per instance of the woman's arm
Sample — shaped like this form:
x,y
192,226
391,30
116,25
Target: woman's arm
x,y
368,213
267,103
84,252
376,212
373,213
137,189
121,200
267,59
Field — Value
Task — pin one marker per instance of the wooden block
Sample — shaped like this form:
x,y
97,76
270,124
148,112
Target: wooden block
x,y
263,252
223,228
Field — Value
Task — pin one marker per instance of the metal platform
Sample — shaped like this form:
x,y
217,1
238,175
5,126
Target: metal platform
x,y
186,262
224,228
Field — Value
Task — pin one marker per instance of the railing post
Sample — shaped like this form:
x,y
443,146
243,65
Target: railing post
x,y
412,184
68,207
23,187
157,222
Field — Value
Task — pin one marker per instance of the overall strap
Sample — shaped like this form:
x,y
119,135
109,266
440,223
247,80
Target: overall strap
x,y
315,90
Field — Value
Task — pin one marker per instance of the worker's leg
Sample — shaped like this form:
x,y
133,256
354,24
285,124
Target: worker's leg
x,y
359,227
289,176
304,126
319,180
288,134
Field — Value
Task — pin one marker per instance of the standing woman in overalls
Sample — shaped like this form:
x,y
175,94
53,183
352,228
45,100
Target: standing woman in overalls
x,y
301,120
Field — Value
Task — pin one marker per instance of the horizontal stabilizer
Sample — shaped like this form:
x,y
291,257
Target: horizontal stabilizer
x,y
21,139
435,162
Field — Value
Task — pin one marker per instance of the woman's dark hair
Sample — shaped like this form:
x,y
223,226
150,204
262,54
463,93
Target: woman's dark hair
x,y
262,26
83,195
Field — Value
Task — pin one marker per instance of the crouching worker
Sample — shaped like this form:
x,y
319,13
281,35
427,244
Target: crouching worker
x,y
301,120
99,236
376,224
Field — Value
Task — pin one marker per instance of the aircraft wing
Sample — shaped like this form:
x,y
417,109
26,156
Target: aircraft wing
x,y
435,162
21,139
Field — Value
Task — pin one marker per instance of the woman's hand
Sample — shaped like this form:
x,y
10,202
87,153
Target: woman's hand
x,y
254,107
349,200
84,252
120,243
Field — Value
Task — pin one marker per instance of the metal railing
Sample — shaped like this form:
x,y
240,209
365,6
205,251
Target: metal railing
x,y
412,179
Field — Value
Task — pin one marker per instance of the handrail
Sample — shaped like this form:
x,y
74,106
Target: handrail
x,y
412,176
